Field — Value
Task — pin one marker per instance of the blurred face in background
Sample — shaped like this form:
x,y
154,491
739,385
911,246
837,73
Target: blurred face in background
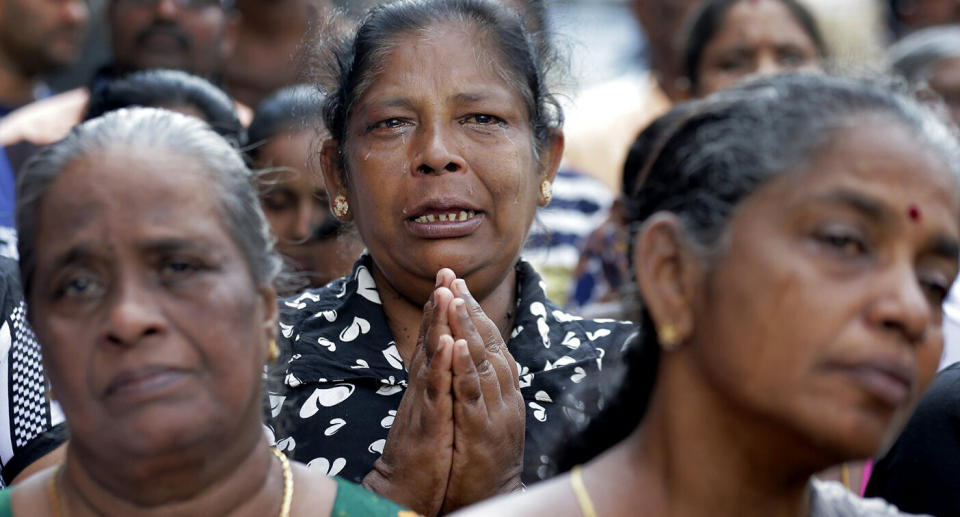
x,y
662,21
40,35
195,36
917,14
757,37
297,206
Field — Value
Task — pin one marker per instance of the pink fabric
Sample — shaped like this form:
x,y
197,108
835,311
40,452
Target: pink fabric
x,y
867,469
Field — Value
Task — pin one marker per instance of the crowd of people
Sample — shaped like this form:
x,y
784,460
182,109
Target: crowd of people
x,y
308,258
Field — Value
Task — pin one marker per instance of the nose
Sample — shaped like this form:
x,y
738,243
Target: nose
x,y
438,155
901,307
767,65
303,223
133,315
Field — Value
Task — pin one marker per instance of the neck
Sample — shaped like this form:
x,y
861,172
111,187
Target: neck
x,y
697,454
16,86
244,480
404,315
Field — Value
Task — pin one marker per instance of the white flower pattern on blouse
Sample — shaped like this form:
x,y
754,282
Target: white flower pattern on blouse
x,y
342,378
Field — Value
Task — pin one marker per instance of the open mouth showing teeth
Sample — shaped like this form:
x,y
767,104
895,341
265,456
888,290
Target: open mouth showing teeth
x,y
463,215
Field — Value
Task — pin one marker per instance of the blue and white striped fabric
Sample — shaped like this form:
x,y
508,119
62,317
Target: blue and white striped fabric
x,y
580,204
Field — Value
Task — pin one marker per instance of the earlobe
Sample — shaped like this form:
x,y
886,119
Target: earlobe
x,y
331,164
668,274
550,159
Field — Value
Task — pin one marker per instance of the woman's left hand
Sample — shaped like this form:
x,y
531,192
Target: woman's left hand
x,y
488,409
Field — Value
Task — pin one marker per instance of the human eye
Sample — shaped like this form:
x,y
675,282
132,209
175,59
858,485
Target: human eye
x,y
277,201
389,123
842,241
176,268
78,285
791,57
482,119
935,287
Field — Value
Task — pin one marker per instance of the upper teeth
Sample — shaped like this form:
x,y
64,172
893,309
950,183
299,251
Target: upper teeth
x,y
463,215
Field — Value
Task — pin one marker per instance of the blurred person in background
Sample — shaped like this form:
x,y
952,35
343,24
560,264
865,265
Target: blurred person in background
x,y
36,37
907,16
730,40
725,42
603,121
195,36
286,131
269,46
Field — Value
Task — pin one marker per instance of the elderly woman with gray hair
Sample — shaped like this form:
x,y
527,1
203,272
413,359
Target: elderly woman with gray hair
x,y
147,269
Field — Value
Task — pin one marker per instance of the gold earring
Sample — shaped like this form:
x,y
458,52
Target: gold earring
x,y
273,351
546,192
340,206
669,337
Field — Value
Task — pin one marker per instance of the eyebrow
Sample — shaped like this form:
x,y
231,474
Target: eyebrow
x,y
79,253
167,245
867,206
941,245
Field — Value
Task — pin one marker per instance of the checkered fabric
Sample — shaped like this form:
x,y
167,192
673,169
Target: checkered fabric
x,y
27,384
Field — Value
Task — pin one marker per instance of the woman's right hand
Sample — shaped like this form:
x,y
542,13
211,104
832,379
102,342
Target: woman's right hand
x,y
414,469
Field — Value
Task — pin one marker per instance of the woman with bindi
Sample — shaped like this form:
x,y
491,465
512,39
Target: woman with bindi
x,y
147,268
796,237
729,40
437,371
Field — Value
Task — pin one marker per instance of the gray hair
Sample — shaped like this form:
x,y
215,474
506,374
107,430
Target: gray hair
x,y
152,128
913,56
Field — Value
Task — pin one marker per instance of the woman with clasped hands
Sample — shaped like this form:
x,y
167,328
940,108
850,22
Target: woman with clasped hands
x,y
436,372
147,270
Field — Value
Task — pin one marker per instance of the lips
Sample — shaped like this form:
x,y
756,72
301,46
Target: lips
x,y
444,219
144,382
887,381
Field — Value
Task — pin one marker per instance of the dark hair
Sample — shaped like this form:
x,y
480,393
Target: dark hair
x,y
521,61
137,129
288,109
169,89
709,19
712,157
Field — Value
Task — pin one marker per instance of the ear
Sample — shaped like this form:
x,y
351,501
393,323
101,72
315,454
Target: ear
x,y
669,274
550,158
331,164
268,297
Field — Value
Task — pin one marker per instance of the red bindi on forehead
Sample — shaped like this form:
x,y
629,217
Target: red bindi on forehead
x,y
914,213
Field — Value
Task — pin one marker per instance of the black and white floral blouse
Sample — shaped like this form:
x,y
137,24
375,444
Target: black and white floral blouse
x,y
342,377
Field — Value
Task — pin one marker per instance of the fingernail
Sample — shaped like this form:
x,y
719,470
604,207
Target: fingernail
x,y
461,286
437,284
461,307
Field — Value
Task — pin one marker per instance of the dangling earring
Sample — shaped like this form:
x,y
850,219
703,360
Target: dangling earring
x,y
669,337
340,206
546,192
273,351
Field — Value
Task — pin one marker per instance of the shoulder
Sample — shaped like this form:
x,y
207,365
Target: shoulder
x,y
553,497
45,121
831,499
314,492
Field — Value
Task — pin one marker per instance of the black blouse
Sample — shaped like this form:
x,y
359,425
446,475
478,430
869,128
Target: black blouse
x,y
342,377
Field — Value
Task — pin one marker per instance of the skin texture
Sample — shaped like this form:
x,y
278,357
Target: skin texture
x,y
662,21
437,126
918,14
36,36
269,36
154,337
756,399
758,37
295,202
167,35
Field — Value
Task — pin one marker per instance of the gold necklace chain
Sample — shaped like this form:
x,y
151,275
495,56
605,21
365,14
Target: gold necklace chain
x,y
580,490
284,505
